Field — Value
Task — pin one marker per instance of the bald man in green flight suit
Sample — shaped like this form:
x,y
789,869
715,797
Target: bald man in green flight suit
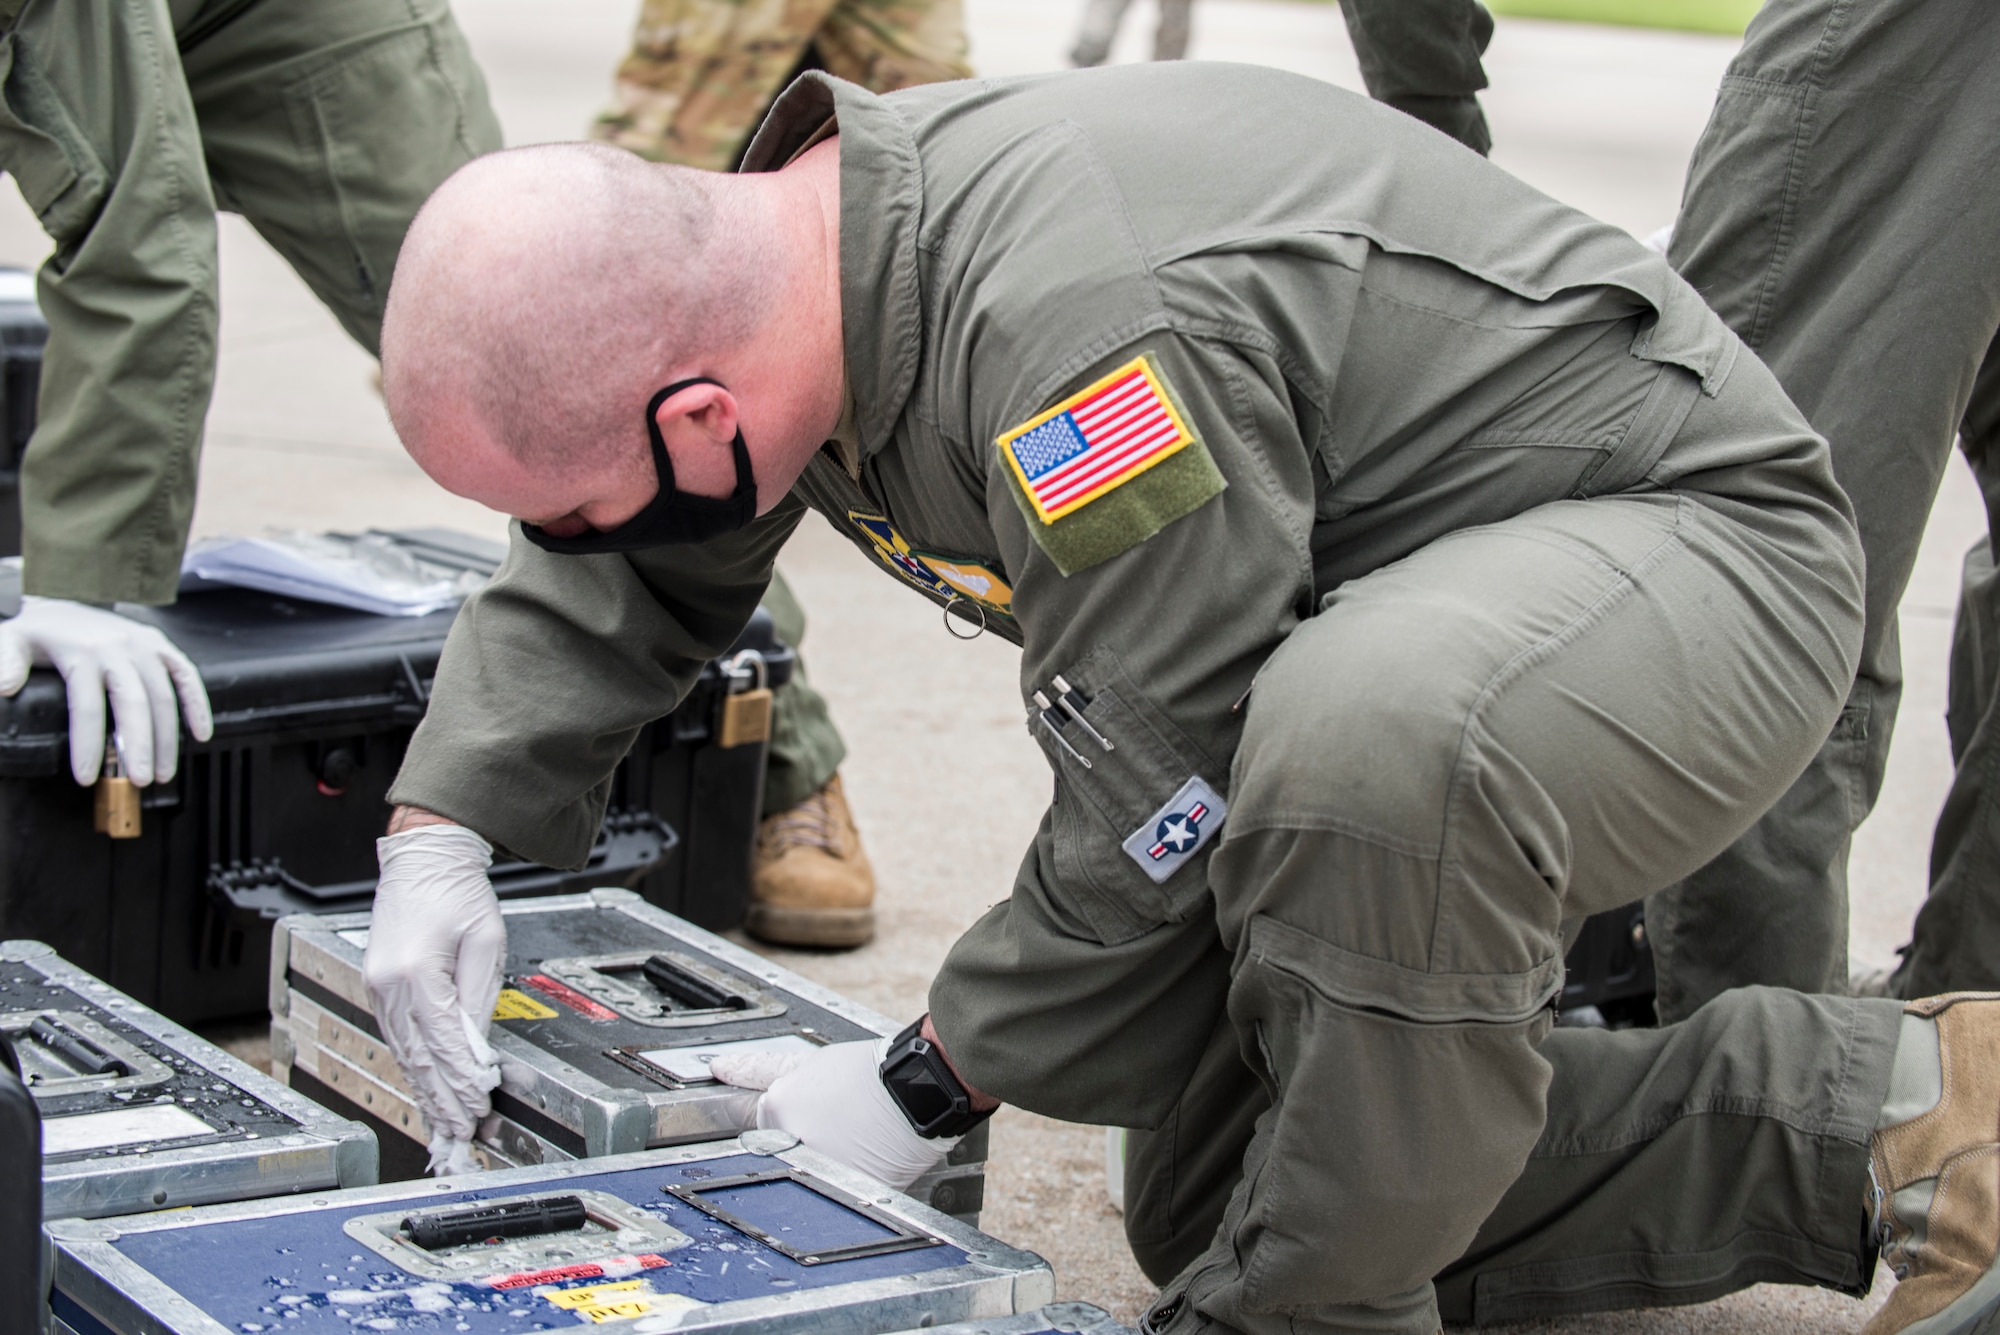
x,y
1411,566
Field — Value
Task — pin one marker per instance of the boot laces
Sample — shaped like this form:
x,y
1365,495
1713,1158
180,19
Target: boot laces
x,y
810,824
1884,1228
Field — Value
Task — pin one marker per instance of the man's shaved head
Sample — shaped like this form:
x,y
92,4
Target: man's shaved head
x,y
543,294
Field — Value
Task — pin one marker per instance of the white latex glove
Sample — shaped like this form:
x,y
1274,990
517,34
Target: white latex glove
x,y
436,946
1660,238
834,1101
100,653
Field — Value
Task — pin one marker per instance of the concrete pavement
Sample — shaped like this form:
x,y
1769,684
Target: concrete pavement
x,y
946,784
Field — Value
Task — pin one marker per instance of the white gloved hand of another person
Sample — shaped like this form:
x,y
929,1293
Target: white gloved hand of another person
x,y
436,947
100,653
834,1101
1660,240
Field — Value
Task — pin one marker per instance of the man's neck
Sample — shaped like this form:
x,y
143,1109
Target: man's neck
x,y
816,176
800,346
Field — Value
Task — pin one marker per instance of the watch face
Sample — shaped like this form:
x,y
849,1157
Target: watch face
x,y
917,1088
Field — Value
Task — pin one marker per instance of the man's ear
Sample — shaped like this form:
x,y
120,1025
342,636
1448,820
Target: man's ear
x,y
709,409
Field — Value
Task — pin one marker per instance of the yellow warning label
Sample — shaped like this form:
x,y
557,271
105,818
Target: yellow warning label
x,y
599,1303
515,1004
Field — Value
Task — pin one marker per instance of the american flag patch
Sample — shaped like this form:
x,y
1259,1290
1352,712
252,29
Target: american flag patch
x,y
1100,437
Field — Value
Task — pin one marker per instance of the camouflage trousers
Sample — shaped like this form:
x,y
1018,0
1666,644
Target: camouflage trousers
x,y
702,73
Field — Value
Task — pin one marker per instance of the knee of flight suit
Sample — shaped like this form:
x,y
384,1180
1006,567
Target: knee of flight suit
x,y
1388,882
1373,813
1392,1138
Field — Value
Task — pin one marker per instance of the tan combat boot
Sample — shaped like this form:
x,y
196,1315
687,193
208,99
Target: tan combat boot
x,y
1936,1183
810,883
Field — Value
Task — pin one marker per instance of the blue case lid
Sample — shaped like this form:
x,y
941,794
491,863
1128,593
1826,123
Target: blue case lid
x,y
306,1272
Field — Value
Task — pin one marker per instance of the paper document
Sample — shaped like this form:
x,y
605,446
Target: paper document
x,y
370,572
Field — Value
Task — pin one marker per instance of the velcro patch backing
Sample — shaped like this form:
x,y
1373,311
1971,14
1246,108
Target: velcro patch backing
x,y
1108,467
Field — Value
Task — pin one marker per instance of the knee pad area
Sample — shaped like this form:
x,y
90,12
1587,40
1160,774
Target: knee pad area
x,y
1394,1135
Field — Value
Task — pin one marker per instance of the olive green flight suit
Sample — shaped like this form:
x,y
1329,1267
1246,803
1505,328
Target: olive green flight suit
x,y
1491,583
1422,57
127,125
1843,215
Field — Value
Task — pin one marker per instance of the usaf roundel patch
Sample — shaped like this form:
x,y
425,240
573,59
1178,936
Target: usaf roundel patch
x,y
1178,830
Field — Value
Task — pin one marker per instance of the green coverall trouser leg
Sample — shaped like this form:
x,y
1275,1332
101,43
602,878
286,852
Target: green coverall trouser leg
x,y
805,746
1677,1164
1422,58
1510,729
127,124
1843,215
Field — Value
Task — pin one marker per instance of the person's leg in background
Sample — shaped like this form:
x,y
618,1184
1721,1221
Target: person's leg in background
x,y
884,45
400,105
1098,31
811,884
1422,58
700,76
1170,39
98,132
1956,943
1840,214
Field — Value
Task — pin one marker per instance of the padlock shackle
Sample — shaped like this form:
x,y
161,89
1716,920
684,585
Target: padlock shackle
x,y
747,671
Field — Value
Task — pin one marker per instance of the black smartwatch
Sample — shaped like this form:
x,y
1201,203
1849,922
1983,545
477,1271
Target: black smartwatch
x,y
922,1083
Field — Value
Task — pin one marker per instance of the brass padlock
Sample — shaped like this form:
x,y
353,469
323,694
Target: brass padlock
x,y
746,713
117,800
746,718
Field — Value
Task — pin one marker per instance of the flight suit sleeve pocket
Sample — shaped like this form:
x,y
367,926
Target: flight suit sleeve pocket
x,y
43,149
1115,872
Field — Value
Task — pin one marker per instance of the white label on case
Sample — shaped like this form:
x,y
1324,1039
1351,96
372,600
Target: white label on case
x,y
121,1126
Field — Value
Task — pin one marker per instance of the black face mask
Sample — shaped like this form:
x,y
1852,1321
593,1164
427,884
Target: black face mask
x,y
669,519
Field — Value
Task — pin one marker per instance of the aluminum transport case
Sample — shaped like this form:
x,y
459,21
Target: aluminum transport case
x,y
756,1235
139,1114
279,812
610,1011
1055,1319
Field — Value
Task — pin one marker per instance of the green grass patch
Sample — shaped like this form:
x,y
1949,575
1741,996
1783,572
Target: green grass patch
x,y
1728,16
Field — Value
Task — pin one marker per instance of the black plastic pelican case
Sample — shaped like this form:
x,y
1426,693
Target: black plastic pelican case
x,y
1608,976
278,814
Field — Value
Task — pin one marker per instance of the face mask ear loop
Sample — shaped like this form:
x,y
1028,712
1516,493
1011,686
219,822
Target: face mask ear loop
x,y
663,463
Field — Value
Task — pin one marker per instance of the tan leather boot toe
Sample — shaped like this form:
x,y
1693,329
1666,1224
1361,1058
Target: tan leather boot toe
x,y
1936,1183
810,882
